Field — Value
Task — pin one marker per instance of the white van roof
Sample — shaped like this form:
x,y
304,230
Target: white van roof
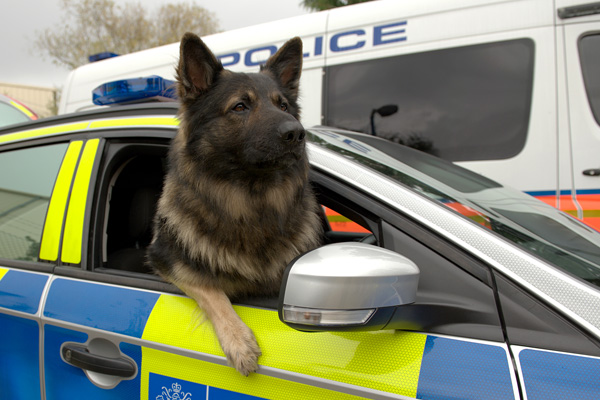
x,y
337,36
77,94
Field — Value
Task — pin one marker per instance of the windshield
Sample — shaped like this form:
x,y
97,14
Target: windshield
x,y
534,226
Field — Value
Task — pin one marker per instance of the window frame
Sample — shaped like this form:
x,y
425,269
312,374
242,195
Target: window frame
x,y
90,269
587,72
486,152
37,264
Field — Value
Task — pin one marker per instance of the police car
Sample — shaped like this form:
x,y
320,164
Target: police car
x,y
446,285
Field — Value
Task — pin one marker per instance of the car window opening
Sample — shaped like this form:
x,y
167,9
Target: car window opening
x,y
134,190
131,206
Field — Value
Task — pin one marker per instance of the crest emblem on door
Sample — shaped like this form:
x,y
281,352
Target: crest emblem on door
x,y
174,393
167,388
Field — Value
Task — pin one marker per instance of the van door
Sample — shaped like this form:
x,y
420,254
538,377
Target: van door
x,y
582,65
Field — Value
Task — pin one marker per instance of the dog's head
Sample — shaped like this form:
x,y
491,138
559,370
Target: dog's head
x,y
238,121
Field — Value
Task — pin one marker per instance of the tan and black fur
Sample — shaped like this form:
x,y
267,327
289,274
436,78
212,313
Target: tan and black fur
x,y
236,206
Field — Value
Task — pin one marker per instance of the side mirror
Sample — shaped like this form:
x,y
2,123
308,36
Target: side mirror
x,y
346,287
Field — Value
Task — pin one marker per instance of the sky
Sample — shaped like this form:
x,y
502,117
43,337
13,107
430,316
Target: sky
x,y
23,20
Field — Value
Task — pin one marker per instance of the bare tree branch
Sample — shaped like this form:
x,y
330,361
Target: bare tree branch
x,y
95,26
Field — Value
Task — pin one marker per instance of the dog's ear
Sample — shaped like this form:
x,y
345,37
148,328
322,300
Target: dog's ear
x,y
286,65
198,67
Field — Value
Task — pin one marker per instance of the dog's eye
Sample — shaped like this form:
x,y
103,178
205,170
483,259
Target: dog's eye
x,y
239,107
284,107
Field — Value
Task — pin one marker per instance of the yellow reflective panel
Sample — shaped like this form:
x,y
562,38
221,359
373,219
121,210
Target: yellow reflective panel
x,y
142,121
56,210
3,272
72,240
49,131
387,361
185,371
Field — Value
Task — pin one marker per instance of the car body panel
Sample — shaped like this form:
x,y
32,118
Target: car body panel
x,y
56,210
21,294
177,346
69,296
546,374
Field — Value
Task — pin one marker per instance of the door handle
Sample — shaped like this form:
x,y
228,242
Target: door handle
x,y
79,356
592,172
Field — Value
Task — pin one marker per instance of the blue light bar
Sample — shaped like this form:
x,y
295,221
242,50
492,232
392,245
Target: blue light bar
x,y
101,56
134,90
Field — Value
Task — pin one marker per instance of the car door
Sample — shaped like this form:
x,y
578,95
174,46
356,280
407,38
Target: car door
x,y
113,330
65,306
555,358
463,353
91,323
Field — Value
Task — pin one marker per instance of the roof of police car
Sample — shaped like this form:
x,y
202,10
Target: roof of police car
x,y
146,109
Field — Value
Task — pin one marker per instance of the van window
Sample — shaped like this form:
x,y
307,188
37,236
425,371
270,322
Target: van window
x,y
25,187
589,53
461,104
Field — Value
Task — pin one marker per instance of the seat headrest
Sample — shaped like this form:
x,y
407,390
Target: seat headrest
x,y
141,212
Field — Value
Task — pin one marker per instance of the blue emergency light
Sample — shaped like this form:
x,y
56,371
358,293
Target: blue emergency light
x,y
134,90
101,56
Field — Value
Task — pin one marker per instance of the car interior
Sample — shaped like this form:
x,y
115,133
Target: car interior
x,y
132,205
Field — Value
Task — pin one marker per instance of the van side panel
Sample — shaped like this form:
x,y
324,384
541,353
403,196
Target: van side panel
x,y
582,63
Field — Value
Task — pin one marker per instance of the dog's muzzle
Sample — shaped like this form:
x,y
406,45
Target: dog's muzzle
x,y
291,132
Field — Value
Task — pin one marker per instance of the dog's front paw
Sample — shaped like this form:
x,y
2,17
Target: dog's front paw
x,y
242,351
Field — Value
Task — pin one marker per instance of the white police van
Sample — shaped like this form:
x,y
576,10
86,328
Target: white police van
x,y
509,89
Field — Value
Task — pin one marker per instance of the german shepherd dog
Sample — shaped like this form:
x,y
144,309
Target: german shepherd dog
x,y
236,205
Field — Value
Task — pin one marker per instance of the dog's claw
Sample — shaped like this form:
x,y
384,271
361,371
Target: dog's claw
x,y
242,352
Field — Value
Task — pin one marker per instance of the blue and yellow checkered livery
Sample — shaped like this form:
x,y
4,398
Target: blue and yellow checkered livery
x,y
178,353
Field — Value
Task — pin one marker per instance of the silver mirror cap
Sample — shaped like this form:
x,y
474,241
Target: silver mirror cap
x,y
344,276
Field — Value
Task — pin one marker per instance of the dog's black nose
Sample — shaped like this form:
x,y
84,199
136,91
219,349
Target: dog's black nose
x,y
291,132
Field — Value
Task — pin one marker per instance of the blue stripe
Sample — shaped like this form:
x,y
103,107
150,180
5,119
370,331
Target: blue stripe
x,y
538,193
550,376
19,358
22,291
567,192
455,369
114,309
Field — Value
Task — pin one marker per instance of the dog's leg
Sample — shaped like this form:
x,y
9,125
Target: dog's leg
x,y
236,339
